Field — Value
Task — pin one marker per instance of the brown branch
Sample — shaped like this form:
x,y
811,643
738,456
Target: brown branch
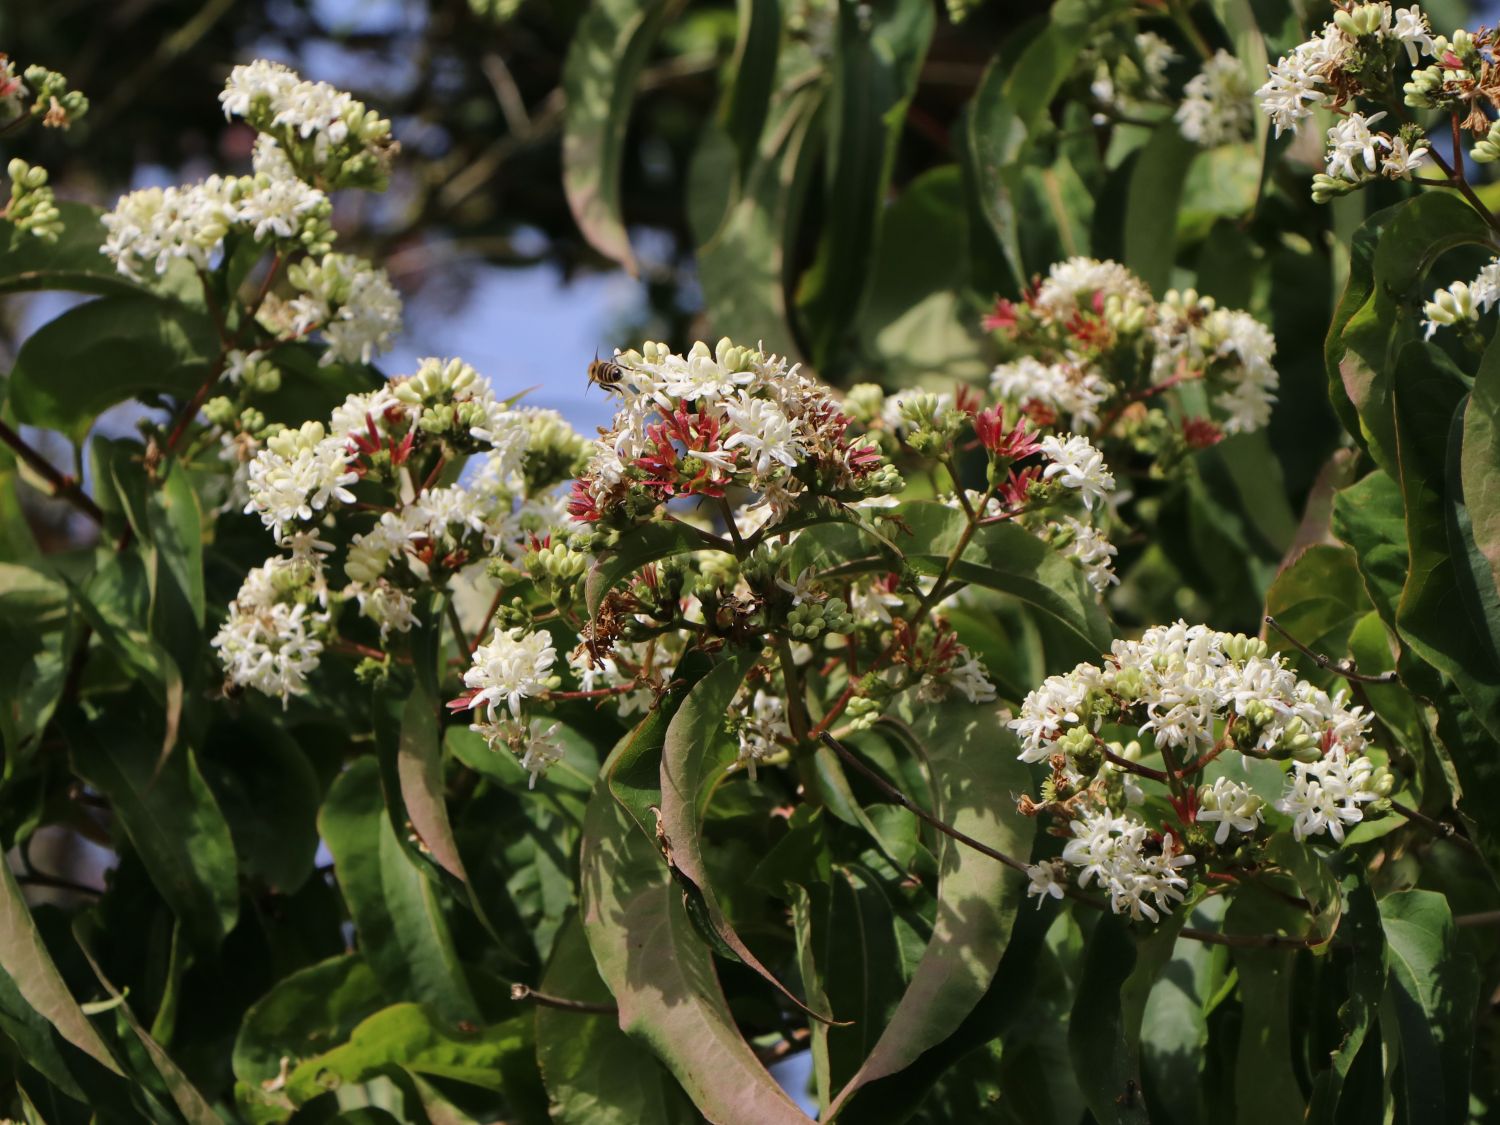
x,y
1437,827
1343,668
911,806
562,1003
64,487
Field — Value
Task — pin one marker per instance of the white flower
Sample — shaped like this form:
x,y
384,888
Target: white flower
x,y
1485,288
388,606
1299,81
352,302
1232,805
1048,878
1216,107
1411,30
1067,281
297,474
276,206
1091,550
1451,306
512,666
1401,161
1328,795
1353,148
766,434
761,728
1077,464
1114,852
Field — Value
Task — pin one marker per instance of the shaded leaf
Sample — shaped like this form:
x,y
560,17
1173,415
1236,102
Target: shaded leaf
x,y
104,352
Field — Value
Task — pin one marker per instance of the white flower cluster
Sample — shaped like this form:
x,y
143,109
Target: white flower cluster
x,y
1325,71
761,728
326,133
352,302
1070,389
1306,78
1216,106
1199,693
1075,463
1089,548
1080,329
272,640
1231,346
512,666
694,424
1140,874
1136,78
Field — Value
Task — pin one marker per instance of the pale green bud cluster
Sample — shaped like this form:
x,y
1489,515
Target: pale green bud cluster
x,y
555,452
288,443
57,106
863,402
32,207
1361,20
1487,149
931,424
1450,306
556,569
884,481
1326,188
437,381
811,620
732,357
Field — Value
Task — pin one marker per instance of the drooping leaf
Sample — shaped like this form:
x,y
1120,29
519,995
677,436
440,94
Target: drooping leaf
x,y
1318,599
877,57
695,756
74,262
655,964
495,1058
34,975
1364,965
397,912
974,770
1151,205
1266,1087
608,51
593,1071
1480,459
1434,986
1099,1036
170,816
308,1012
104,352
189,1100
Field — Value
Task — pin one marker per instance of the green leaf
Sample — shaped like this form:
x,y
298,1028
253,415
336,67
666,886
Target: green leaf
x,y
187,1097
697,753
742,260
605,58
1359,291
917,316
103,352
877,57
269,794
1174,1034
1364,965
1480,459
74,262
395,905
404,1035
171,818
653,962
1432,615
1265,1084
1318,599
750,77
1415,235
1151,205
34,975
33,614
1009,112
1434,985
593,1071
974,772
308,1012
1100,1039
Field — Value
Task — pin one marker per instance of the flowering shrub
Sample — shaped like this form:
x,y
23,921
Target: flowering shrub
x,y
877,689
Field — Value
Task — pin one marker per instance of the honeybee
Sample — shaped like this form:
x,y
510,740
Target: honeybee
x,y
605,372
